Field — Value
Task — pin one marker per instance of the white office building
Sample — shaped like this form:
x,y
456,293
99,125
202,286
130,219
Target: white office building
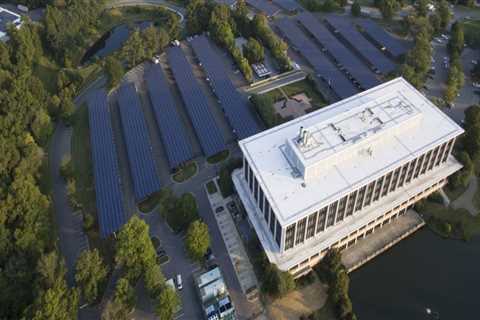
x,y
334,176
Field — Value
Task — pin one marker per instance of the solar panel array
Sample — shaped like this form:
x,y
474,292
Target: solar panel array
x,y
237,108
108,190
363,47
196,103
353,65
264,6
172,130
288,5
139,149
323,67
394,46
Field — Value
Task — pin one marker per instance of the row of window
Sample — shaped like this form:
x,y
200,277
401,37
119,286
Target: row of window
x,y
357,200
262,202
368,228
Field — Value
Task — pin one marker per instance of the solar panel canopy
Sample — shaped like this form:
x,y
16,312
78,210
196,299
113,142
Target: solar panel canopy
x,y
288,5
106,173
354,66
172,131
139,150
323,67
362,46
236,107
196,103
264,6
394,46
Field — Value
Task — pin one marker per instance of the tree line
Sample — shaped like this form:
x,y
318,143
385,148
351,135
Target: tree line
x,y
225,24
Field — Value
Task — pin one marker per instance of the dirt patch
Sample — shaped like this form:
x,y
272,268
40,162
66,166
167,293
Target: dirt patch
x,y
298,302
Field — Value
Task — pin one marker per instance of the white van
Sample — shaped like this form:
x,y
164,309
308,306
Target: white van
x,y
179,282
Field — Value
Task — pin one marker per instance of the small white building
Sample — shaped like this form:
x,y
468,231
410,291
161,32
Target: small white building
x,y
332,177
7,18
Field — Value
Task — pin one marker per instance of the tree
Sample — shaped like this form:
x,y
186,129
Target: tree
x,y
55,301
457,38
90,274
197,240
253,51
167,304
155,40
134,50
444,13
277,283
154,280
388,8
113,311
264,106
135,250
461,178
124,296
356,9
422,7
114,71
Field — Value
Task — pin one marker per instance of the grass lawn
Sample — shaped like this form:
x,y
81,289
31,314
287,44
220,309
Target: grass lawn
x,y
185,172
46,70
464,225
211,187
472,33
219,157
150,203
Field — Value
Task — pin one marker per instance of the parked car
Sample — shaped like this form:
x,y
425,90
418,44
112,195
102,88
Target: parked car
x,y
209,255
219,209
179,282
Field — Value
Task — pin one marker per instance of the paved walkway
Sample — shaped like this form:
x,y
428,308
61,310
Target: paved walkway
x,y
465,201
381,240
233,241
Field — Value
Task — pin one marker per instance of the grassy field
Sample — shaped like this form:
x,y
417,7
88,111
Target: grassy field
x,y
472,33
150,203
185,172
303,86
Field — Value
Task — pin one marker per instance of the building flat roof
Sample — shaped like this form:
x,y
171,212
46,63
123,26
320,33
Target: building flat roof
x,y
349,144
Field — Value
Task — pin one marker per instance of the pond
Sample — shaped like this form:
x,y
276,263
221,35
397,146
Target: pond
x,y
423,271
113,40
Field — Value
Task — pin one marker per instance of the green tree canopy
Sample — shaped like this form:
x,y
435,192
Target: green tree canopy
x,y
124,295
90,274
253,51
167,304
356,9
114,71
135,252
197,240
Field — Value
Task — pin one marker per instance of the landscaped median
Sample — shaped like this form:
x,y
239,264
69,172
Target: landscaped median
x,y
185,172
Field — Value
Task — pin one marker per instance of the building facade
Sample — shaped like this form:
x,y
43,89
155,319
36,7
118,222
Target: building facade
x,y
336,175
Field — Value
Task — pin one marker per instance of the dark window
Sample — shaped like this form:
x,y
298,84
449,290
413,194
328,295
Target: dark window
x,y
434,157
351,203
341,209
266,212
387,183
272,223
245,170
322,214
260,203
332,209
361,196
396,174
255,188
410,170
403,175
427,160
419,166
368,197
250,181
312,222
301,231
278,234
289,236
378,188
440,156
